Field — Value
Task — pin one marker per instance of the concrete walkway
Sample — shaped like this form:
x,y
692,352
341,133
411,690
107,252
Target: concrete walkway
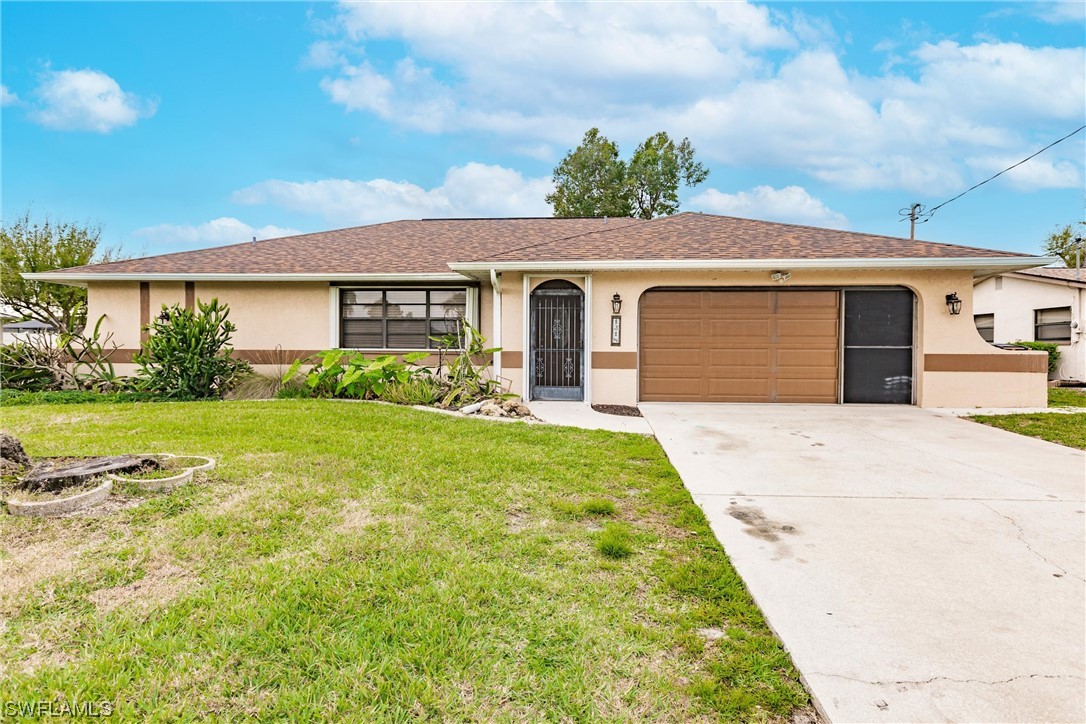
x,y
918,567
578,414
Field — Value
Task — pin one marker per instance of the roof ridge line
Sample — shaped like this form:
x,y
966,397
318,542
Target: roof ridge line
x,y
637,222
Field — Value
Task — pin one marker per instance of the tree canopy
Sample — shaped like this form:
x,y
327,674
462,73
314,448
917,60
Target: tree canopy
x,y
592,180
1065,241
27,245
655,172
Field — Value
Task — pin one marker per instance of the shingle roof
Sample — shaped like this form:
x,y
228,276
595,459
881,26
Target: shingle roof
x,y
1062,274
430,246
399,247
698,236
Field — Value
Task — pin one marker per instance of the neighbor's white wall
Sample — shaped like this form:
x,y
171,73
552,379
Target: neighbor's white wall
x,y
1014,305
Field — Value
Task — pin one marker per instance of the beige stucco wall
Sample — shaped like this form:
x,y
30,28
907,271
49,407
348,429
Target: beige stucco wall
x,y
938,332
292,316
120,303
1014,306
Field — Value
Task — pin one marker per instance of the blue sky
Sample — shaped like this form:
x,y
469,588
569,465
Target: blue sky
x,y
178,126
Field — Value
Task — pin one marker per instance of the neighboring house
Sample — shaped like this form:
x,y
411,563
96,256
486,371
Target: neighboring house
x,y
1036,305
14,328
26,331
691,307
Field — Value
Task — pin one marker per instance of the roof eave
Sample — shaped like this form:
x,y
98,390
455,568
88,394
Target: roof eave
x,y
979,265
1081,283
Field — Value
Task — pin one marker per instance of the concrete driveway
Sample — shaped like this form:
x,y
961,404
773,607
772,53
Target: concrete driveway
x,y
917,566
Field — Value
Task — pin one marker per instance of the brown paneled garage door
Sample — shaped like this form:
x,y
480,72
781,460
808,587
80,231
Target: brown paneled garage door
x,y
739,346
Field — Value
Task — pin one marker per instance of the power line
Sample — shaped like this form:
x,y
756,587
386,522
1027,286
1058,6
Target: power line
x,y
932,211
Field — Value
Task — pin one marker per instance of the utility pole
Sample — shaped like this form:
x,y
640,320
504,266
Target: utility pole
x,y
912,214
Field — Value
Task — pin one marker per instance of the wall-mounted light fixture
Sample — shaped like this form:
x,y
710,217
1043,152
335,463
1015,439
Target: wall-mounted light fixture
x,y
953,303
164,317
780,276
616,304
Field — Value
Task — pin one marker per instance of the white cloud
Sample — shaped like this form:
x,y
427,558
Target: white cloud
x,y
540,74
1037,173
7,98
791,204
86,100
224,230
1062,11
474,189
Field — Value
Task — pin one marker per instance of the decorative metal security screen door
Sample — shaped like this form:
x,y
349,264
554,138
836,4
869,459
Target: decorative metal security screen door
x,y
557,336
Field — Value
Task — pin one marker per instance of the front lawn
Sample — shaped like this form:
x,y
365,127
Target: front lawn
x,y
1065,429
359,561
1066,397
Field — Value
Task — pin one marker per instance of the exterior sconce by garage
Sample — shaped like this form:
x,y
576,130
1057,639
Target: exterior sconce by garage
x,y
616,321
953,303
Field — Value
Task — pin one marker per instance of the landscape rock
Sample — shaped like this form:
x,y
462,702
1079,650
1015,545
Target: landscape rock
x,y
11,450
505,408
52,475
492,408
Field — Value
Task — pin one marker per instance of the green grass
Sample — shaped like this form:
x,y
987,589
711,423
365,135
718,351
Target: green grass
x,y
1065,429
367,562
614,541
1066,397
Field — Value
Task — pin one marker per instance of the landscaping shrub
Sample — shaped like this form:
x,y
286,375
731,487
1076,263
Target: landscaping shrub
x,y
25,367
461,378
466,375
419,390
187,355
614,541
18,398
340,373
257,386
1050,347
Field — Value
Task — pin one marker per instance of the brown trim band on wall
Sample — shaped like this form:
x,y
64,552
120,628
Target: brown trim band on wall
x,y
512,358
190,295
614,360
1006,362
145,310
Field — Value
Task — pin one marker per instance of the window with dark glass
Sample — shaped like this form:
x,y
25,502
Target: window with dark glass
x,y
986,326
399,318
1052,325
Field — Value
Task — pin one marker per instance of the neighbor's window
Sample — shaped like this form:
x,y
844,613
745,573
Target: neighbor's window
x,y
986,326
399,319
1052,325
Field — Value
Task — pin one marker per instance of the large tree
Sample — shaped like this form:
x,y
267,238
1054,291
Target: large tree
x,y
28,245
658,167
591,180
1065,242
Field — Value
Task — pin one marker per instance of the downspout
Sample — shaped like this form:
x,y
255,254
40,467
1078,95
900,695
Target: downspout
x,y
496,310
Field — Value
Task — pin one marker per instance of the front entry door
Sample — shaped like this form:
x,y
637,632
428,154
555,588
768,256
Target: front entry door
x,y
557,337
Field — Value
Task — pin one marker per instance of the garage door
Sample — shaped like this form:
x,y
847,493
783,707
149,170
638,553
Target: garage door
x,y
739,346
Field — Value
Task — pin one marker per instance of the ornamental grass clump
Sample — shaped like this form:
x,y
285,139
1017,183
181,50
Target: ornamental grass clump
x,y
614,541
187,355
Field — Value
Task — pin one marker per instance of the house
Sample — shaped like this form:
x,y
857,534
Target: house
x,y
691,307
1042,305
14,328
